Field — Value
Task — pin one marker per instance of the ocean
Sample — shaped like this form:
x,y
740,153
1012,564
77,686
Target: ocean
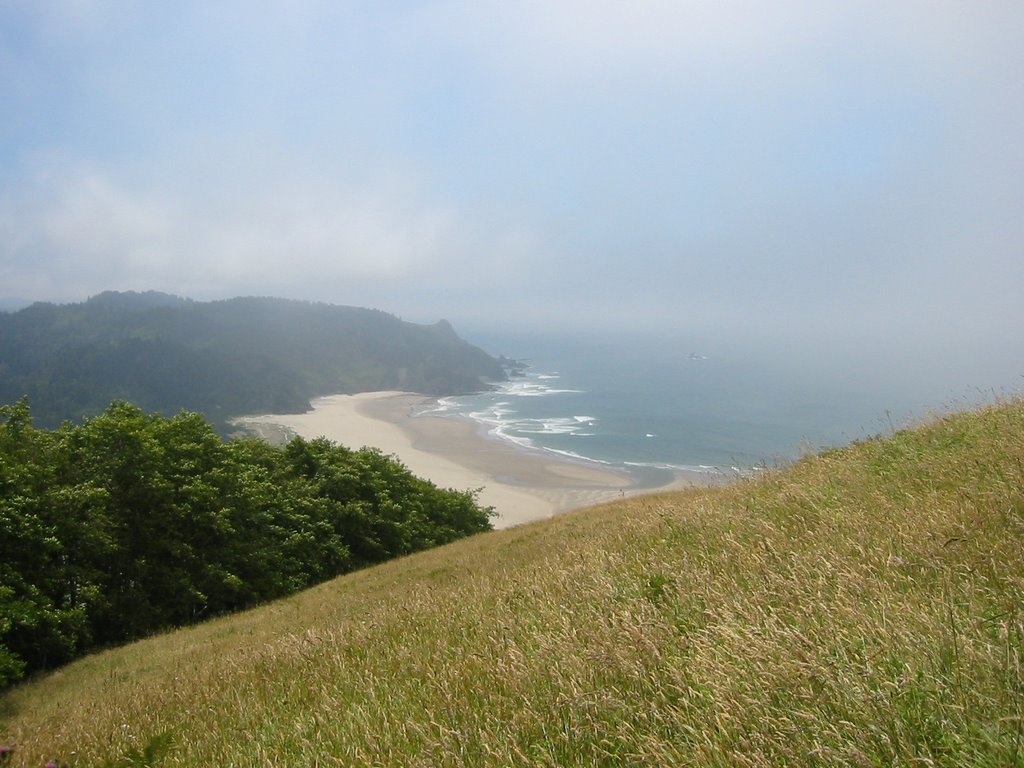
x,y
651,407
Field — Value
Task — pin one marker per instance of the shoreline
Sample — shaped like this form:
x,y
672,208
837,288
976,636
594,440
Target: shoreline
x,y
456,452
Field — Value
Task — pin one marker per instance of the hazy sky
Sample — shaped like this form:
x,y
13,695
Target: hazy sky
x,y
778,169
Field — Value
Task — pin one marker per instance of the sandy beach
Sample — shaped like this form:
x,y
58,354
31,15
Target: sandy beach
x,y
454,452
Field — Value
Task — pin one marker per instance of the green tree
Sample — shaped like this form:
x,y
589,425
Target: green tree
x,y
133,522
44,618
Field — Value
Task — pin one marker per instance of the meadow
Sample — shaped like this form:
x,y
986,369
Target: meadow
x,y
864,606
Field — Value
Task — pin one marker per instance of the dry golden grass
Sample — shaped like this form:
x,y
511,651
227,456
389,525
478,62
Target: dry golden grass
x,y
863,607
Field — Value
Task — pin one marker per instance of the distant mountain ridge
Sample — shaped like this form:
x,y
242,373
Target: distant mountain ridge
x,y
222,358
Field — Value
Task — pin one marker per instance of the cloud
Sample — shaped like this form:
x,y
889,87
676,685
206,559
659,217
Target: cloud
x,y
728,40
97,229
789,167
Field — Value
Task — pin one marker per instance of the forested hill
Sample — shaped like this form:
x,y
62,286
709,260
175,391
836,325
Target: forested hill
x,y
221,358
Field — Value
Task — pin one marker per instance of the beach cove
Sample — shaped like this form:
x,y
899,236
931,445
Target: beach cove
x,y
521,484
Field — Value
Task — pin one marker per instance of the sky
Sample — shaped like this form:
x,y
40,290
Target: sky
x,y
849,173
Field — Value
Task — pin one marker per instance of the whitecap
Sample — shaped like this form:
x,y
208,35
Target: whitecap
x,y
532,388
578,456
523,442
555,426
538,390
698,468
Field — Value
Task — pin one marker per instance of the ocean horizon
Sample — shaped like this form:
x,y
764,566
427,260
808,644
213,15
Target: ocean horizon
x,y
653,409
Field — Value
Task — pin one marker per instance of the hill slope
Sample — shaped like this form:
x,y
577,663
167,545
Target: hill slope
x,y
863,607
221,358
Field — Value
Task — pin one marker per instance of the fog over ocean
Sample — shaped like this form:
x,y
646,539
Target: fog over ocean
x,y
650,406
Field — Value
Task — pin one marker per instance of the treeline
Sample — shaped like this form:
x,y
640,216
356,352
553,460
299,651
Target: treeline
x,y
132,522
221,358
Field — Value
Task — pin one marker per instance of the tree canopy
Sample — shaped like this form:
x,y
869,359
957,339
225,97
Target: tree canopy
x,y
131,522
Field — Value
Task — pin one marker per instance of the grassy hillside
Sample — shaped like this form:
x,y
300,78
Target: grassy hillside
x,y
863,607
